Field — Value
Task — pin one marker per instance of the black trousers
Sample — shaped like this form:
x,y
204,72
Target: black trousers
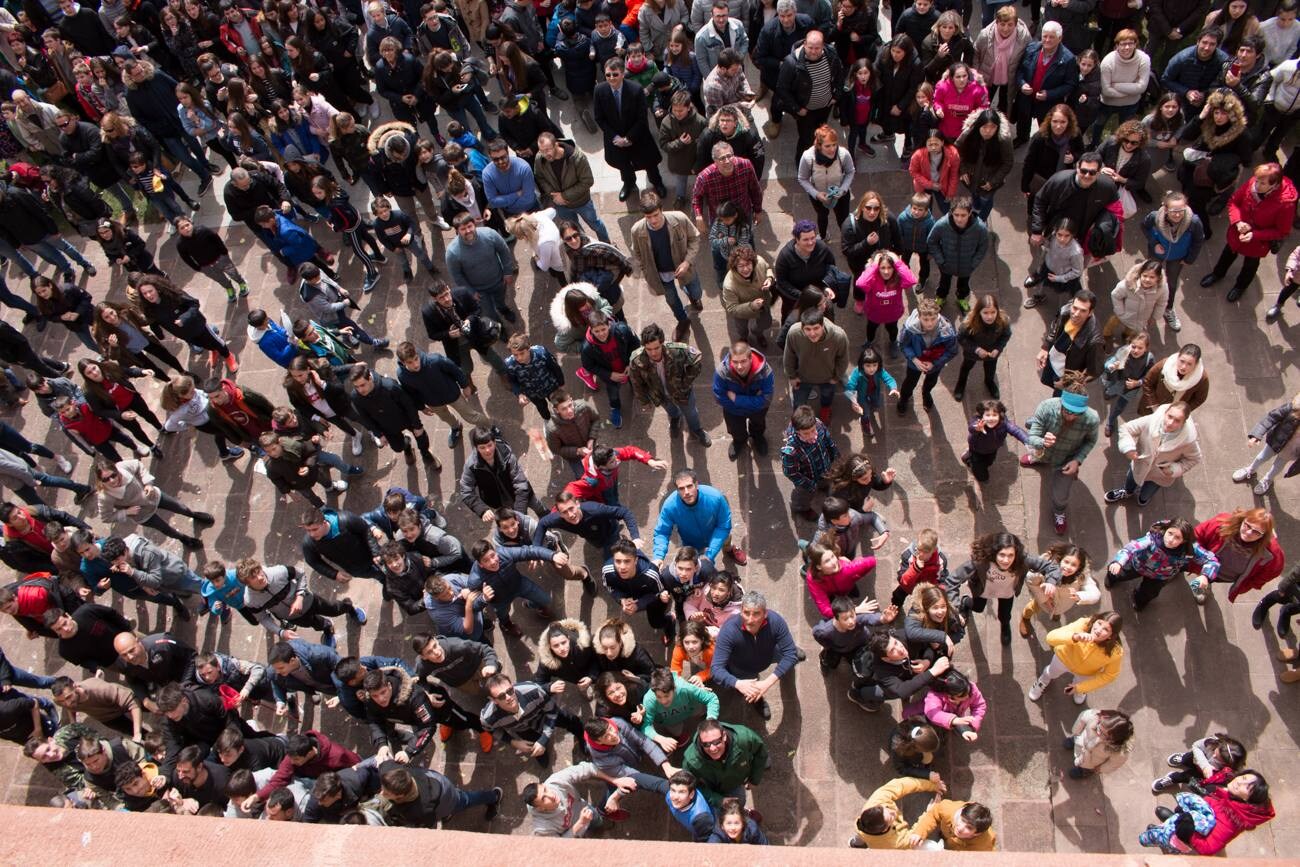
x,y
740,427
990,372
912,378
1147,590
1249,267
807,125
945,282
980,463
979,603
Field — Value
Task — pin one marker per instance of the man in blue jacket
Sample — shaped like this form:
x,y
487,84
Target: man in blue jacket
x,y
1046,76
302,666
747,645
496,575
508,181
743,386
271,338
1191,73
292,244
702,518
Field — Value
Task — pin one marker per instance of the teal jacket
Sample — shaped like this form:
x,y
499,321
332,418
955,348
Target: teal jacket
x,y
687,701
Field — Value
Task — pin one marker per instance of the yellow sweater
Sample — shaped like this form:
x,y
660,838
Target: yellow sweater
x,y
889,795
941,816
1085,659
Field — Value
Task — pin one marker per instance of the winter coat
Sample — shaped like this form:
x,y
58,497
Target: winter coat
x,y
1092,752
1062,602
744,762
1188,246
571,177
985,161
822,588
794,84
1278,428
133,489
1135,307
1231,818
1156,391
1086,350
957,107
1045,158
594,358
682,366
1269,218
884,302
854,244
942,709
579,664
986,50
976,576
739,293
1149,558
1087,661
568,338
388,411
896,86
1136,172
913,234
958,251
630,119
753,394
500,485
564,438
682,157
919,168
941,349
1074,443
1057,82
1159,459
683,238
631,656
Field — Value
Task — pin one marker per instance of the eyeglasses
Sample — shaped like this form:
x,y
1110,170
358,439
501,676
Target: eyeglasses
x,y
1252,530
571,237
613,75
716,742
1087,173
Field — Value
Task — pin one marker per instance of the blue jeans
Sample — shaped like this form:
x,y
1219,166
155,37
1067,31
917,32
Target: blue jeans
x,y
18,303
165,203
23,677
983,204
329,459
361,333
529,592
475,108
190,584
123,196
476,798
50,481
188,150
52,249
677,183
589,216
1145,493
9,251
693,291
804,393
689,410
1120,404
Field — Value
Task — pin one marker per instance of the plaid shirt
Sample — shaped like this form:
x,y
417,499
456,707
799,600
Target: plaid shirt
x,y
719,90
712,188
806,464
597,256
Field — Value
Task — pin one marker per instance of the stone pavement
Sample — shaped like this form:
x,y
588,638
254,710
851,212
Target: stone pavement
x,y
1190,670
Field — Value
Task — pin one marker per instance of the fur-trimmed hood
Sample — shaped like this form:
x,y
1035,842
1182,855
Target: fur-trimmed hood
x,y
558,319
626,639
1229,102
1131,278
403,683
1004,127
579,639
382,133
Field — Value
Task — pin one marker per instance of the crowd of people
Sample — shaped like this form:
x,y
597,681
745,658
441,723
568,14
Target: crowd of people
x,y
112,116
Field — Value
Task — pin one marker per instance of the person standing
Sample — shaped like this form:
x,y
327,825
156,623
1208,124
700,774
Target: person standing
x,y
816,361
743,385
807,85
1175,237
1062,432
478,259
1260,214
664,374
387,410
1072,343
747,645
664,245
564,179
928,342
620,110
1044,78
958,243
806,457
437,387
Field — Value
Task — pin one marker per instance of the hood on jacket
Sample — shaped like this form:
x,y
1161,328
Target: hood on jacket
x,y
759,368
1004,127
402,683
1228,101
742,123
1243,815
1131,278
626,639
558,319
384,133
575,630
945,328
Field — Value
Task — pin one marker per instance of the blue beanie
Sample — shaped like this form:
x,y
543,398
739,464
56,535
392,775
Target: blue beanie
x,y
1075,403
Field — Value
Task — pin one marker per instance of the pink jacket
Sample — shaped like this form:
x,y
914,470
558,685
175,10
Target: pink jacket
x,y
823,588
957,106
883,303
941,709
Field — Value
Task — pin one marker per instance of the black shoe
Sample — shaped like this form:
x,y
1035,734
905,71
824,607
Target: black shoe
x,y
1259,615
183,613
1210,279
69,276
203,519
856,843
995,392
1068,743
760,445
1006,634
491,810
1235,293
191,542
509,315
959,394
661,190
703,438
624,193
453,437
825,664
733,452
205,186
764,709
1163,813
589,586
1031,281
903,406
927,401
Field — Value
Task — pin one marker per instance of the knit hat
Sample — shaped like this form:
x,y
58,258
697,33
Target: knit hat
x,y
1075,403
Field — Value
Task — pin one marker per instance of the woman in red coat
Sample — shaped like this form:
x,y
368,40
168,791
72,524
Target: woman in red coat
x,y
939,180
1259,213
1247,548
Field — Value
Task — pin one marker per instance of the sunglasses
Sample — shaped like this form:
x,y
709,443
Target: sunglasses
x,y
871,207
716,742
504,694
613,75
1088,172
571,237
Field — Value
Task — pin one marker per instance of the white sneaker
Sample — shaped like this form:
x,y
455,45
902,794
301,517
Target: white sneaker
x,y
143,451
358,445
64,465
339,485
1242,474
1262,487
1036,691
1171,318
377,441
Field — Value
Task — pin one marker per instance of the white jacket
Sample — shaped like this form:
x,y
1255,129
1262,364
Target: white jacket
x,y
1161,457
1124,81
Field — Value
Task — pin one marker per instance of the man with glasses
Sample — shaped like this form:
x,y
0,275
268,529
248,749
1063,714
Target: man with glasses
x,y
1082,195
527,715
730,178
83,150
1062,432
1175,237
727,759
508,181
564,178
622,113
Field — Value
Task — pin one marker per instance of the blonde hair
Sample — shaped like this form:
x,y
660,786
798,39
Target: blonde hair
x,y
927,540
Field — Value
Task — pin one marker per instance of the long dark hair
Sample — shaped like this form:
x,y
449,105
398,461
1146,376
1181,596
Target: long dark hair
x,y
984,550
1116,624
975,323
1183,526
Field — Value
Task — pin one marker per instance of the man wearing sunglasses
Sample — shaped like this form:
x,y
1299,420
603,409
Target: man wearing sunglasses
x,y
1082,195
527,715
622,113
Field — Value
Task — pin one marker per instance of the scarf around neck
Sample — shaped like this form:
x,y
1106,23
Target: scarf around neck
x,y
1176,384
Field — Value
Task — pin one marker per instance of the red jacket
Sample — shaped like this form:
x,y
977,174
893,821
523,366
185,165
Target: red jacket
x,y
329,757
919,168
593,484
1269,218
92,428
1232,817
230,36
1263,568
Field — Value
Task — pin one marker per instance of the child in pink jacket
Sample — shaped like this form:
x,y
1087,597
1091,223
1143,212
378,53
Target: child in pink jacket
x,y
954,703
956,97
830,575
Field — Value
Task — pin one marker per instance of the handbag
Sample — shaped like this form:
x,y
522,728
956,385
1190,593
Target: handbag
x,y
1126,202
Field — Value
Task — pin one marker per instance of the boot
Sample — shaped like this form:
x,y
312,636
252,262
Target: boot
x,y
1260,614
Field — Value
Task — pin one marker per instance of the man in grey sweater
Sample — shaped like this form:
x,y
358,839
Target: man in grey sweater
x,y
816,359
149,566
558,809
480,260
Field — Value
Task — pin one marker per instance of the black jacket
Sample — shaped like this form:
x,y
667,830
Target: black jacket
x,y
92,646
262,190
83,150
632,122
1086,351
1061,197
202,248
166,660
522,130
435,800
793,273
409,706
360,783
23,219
354,549
500,485
388,411
153,104
204,720
794,85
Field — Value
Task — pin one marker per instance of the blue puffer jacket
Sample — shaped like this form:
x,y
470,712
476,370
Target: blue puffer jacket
x,y
1185,249
1187,72
753,395
291,242
914,234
